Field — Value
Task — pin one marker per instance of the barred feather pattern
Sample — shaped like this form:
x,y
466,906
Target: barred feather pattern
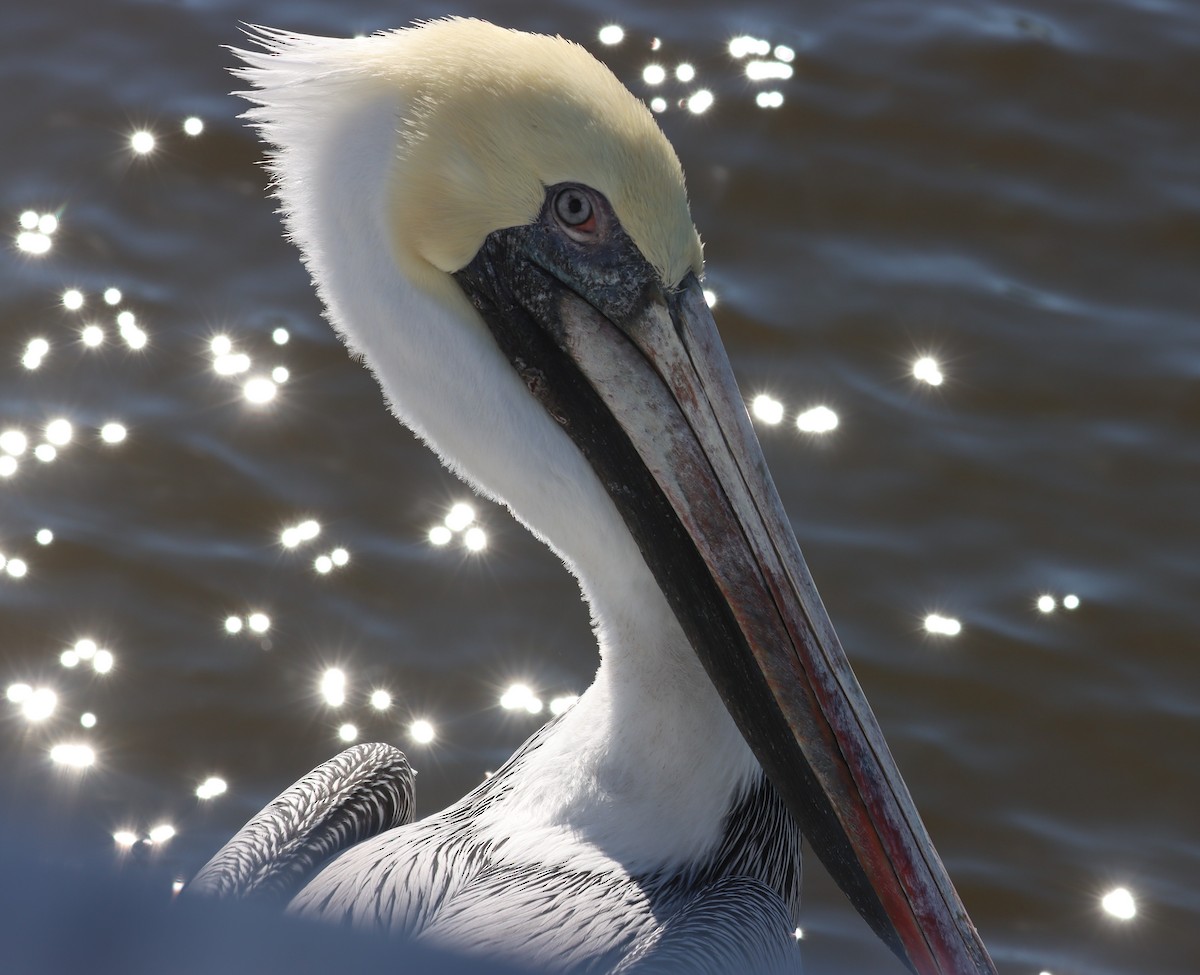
x,y
734,925
443,882
359,793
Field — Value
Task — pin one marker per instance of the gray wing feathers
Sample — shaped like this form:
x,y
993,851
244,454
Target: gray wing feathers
x,y
735,924
361,792
546,918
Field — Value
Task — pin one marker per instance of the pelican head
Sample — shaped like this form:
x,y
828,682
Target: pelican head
x,y
501,230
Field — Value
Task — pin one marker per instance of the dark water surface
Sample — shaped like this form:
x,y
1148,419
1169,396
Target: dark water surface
x,y
1013,190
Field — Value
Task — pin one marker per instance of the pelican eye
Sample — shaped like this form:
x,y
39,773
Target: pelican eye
x,y
573,208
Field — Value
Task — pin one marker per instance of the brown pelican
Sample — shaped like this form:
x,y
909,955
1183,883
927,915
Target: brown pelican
x,y
501,231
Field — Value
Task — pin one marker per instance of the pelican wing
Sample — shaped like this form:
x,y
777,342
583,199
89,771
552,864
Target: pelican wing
x,y
355,795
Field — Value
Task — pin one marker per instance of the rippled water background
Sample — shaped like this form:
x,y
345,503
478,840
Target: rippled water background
x,y
1012,189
